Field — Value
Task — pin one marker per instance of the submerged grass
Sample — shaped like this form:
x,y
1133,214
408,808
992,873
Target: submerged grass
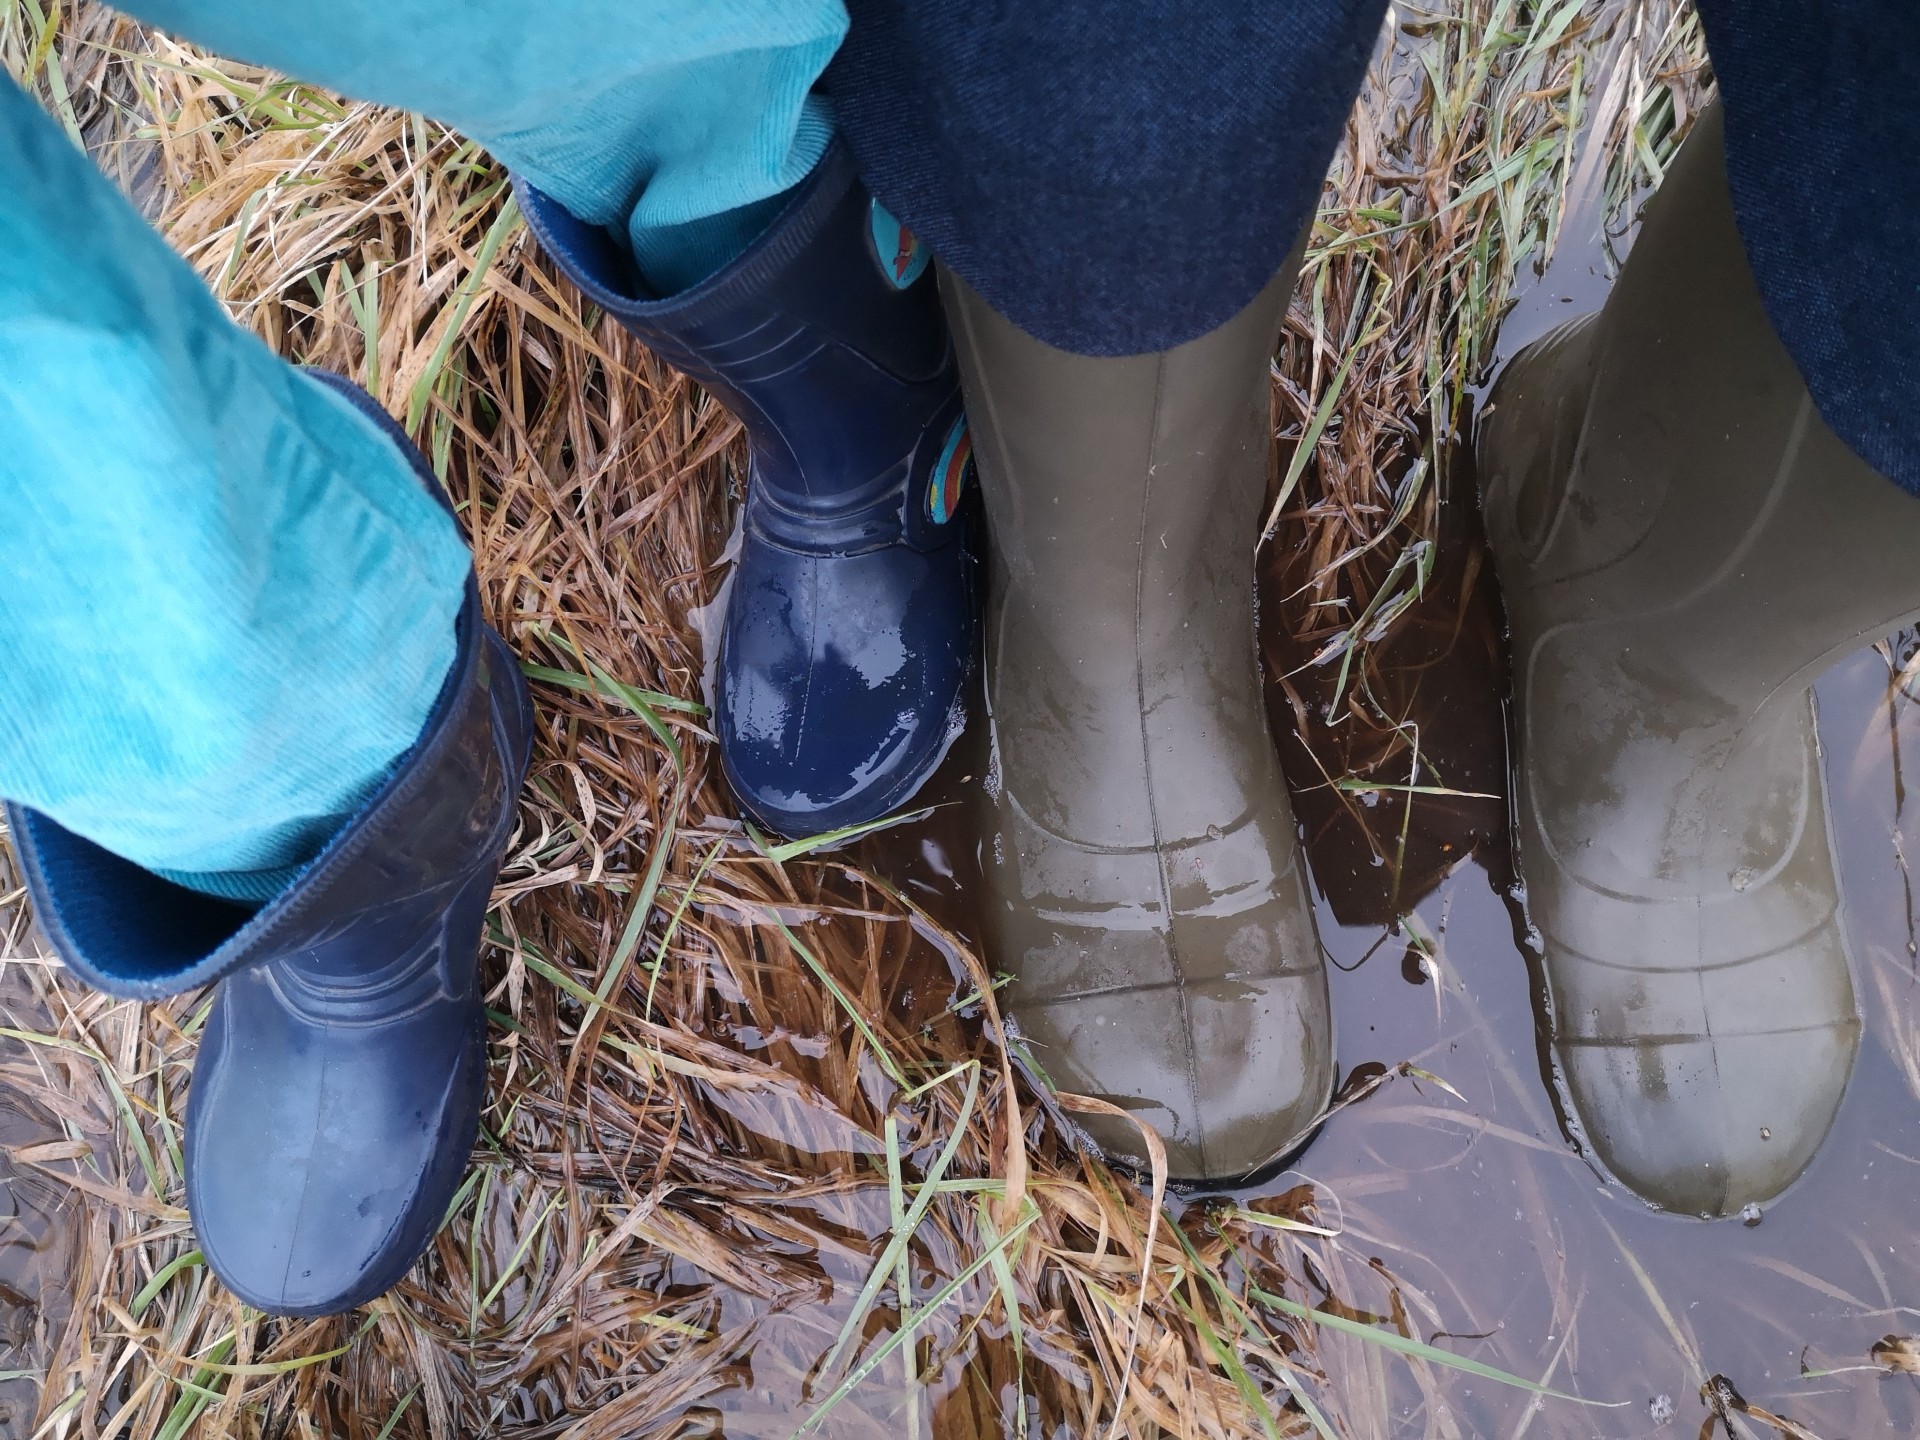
x,y
1490,132
758,1159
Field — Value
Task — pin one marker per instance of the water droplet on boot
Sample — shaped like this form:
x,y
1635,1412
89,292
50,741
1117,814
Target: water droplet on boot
x,y
1214,832
1750,1214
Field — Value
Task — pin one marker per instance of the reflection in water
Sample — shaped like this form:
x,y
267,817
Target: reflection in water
x,y
1484,1213
1397,758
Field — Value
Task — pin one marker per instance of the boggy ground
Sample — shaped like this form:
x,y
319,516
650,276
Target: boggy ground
x,y
759,1158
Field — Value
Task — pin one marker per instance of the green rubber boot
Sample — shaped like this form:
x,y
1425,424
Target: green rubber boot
x,y
1683,546
1145,884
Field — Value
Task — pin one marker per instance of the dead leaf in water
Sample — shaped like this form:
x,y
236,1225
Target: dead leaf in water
x,y
1726,1402
48,1151
1899,1353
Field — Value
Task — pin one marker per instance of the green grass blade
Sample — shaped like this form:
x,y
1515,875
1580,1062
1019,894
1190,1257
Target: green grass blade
x,y
520,1253
637,914
407,1399
845,1001
1228,1301
656,699
195,1396
903,1232
504,224
1352,784
363,299
209,1368
793,849
473,1250
162,1277
1243,1382
673,924
902,1272
1281,1222
1391,1340
1002,1264
934,1302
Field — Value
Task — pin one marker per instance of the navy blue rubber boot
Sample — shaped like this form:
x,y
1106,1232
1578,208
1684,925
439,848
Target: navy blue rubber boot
x,y
851,625
337,1092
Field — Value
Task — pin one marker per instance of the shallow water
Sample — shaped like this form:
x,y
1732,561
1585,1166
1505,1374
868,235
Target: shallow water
x,y
1478,1213
1487,1209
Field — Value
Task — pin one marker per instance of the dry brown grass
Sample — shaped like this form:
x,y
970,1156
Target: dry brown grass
x,y
702,1056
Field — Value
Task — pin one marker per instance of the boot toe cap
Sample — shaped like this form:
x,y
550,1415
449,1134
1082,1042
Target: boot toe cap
x,y
841,680
1709,1125
1705,1077
305,1249
320,1162
1210,1022
1229,1073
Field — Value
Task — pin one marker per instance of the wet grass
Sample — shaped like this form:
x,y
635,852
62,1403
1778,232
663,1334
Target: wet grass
x,y
759,1159
1488,133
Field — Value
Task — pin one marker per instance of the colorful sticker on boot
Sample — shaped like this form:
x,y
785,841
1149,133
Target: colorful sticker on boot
x,y
950,473
902,257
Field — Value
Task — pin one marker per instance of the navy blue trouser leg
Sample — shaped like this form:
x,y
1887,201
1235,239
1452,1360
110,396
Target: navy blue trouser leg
x,y
1120,179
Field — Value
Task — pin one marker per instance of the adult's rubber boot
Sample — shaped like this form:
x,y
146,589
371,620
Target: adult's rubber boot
x,y
851,624
1145,885
337,1091
1683,546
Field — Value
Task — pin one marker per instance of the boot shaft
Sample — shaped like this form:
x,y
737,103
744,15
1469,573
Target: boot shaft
x,y
1694,504
344,926
851,621
825,338
1122,499
1681,544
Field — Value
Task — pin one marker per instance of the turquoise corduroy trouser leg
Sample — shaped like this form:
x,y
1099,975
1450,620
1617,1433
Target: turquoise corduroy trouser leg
x,y
228,603
680,121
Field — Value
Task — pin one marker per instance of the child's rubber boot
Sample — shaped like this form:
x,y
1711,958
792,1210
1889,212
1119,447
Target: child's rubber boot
x,y
337,1091
850,628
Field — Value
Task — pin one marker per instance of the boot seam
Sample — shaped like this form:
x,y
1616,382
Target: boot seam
x,y
1146,761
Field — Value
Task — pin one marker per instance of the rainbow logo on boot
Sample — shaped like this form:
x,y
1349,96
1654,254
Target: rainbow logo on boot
x,y
950,473
903,259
